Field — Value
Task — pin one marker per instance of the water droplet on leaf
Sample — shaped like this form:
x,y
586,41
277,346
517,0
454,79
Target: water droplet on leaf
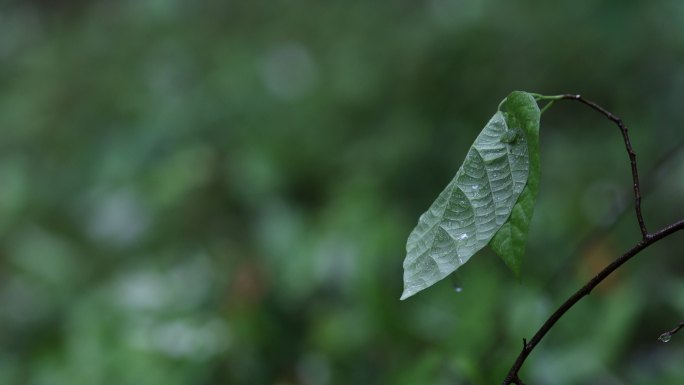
x,y
510,136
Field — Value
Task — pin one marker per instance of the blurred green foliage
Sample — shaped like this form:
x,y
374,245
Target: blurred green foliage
x,y
220,192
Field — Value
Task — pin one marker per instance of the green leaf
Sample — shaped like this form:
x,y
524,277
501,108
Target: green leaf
x,y
509,243
474,205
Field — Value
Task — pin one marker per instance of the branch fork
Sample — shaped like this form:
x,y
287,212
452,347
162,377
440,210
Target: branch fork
x,y
647,239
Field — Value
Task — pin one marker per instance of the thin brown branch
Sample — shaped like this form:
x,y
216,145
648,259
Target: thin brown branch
x,y
513,376
630,151
585,290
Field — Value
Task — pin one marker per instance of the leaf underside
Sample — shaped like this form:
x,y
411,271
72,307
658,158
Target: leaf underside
x,y
477,202
509,242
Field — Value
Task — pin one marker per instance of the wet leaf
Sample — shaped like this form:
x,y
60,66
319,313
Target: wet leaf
x,y
477,202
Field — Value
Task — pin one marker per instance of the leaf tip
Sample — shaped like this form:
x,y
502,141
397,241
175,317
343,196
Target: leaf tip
x,y
513,262
407,293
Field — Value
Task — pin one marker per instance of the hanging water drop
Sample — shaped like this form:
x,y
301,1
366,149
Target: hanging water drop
x,y
456,283
665,337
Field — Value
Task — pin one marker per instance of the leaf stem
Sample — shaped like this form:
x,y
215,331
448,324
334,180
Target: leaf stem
x,y
546,107
539,97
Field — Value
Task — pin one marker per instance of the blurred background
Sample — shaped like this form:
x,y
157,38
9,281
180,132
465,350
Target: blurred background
x,y
221,192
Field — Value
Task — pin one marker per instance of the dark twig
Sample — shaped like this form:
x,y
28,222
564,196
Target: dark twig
x,y
630,152
647,239
665,337
585,290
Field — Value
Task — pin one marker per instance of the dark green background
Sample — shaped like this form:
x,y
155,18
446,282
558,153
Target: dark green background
x,y
220,192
